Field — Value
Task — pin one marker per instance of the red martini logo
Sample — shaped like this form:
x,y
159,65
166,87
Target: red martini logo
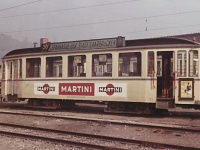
x,y
110,89
45,88
86,89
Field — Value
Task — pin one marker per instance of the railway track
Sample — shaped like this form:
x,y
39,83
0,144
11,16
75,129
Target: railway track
x,y
107,140
81,140
195,129
98,108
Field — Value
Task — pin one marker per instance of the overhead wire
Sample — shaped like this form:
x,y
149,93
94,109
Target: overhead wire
x,y
103,22
52,11
68,9
20,5
85,24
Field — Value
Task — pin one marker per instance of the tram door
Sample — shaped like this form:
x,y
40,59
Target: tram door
x,y
12,79
165,69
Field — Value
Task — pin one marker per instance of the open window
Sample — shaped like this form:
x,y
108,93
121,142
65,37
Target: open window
x,y
151,62
193,63
130,64
182,63
33,67
102,65
54,66
77,66
20,68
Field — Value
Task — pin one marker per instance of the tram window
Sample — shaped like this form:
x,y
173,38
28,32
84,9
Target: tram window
x,y
102,65
20,68
182,63
54,66
33,67
3,71
77,66
16,71
159,68
150,63
130,64
193,63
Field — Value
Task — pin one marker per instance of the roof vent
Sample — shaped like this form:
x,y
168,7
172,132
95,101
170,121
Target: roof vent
x,y
34,44
43,41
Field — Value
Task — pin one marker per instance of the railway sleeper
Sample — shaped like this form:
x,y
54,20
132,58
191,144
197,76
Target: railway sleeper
x,y
136,108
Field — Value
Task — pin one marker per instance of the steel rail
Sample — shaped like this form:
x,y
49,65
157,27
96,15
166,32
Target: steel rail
x,y
85,135
194,129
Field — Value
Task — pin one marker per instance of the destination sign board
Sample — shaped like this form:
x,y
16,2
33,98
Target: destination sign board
x,y
87,44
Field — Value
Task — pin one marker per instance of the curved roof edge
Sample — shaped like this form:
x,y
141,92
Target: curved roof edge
x,y
160,41
24,51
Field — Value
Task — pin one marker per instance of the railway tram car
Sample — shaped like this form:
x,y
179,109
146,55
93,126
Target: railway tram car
x,y
138,76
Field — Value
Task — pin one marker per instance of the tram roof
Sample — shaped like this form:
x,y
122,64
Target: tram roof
x,y
162,41
24,51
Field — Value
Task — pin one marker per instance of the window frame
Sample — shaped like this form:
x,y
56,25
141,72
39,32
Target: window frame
x,y
34,66
130,61
53,65
77,65
102,65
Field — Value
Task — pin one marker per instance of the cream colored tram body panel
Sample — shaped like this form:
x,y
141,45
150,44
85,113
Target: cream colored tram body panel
x,y
99,90
103,74
184,73
115,88
187,76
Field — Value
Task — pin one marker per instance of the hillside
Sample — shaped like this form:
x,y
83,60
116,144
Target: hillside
x,y
7,43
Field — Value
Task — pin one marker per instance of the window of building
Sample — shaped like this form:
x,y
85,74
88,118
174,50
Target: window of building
x,y
54,66
150,63
130,64
182,63
77,66
33,67
193,63
102,65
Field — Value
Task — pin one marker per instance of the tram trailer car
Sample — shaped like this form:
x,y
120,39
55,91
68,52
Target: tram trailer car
x,y
138,76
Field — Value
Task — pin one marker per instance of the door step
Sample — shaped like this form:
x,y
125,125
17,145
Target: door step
x,y
165,103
